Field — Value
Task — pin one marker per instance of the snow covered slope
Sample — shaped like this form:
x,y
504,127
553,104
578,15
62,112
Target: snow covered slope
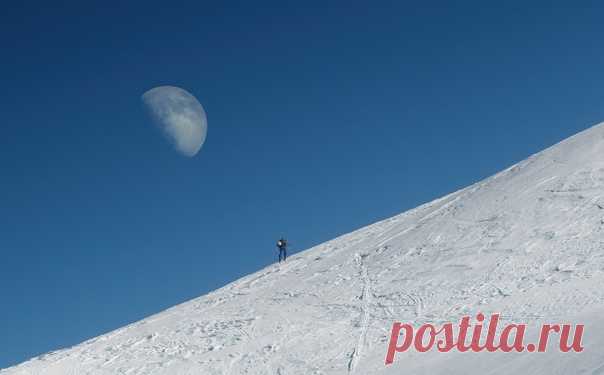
x,y
527,242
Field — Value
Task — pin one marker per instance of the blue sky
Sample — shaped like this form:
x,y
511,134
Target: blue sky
x,y
322,118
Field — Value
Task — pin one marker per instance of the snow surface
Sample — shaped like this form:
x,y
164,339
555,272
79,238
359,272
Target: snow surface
x,y
527,242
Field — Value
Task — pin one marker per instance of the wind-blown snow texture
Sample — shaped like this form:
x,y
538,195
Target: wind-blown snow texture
x,y
527,242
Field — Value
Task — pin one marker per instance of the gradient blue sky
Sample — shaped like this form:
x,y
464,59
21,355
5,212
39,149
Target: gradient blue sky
x,y
322,118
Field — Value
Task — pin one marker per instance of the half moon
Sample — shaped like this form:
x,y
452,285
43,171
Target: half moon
x,y
179,115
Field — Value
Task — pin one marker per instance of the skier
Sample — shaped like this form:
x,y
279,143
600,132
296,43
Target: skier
x,y
282,245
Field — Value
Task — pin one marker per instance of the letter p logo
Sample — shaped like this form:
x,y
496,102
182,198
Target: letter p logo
x,y
393,346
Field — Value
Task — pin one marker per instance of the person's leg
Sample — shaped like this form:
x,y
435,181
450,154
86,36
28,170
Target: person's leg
x,y
284,254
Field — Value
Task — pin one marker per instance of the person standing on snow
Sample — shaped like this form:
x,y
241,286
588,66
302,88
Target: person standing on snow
x,y
282,245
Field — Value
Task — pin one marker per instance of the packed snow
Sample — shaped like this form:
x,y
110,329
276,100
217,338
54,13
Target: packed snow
x,y
527,242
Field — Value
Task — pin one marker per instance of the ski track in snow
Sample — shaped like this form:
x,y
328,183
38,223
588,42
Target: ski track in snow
x,y
527,242
365,298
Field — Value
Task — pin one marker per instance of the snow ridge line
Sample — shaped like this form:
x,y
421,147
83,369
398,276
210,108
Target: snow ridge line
x,y
365,298
430,215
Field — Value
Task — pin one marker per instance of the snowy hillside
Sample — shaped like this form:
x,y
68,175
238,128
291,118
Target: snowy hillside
x,y
527,242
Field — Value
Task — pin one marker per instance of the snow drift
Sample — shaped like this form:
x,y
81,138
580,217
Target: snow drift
x,y
527,242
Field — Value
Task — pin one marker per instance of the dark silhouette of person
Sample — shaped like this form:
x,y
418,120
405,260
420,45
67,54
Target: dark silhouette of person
x,y
282,245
